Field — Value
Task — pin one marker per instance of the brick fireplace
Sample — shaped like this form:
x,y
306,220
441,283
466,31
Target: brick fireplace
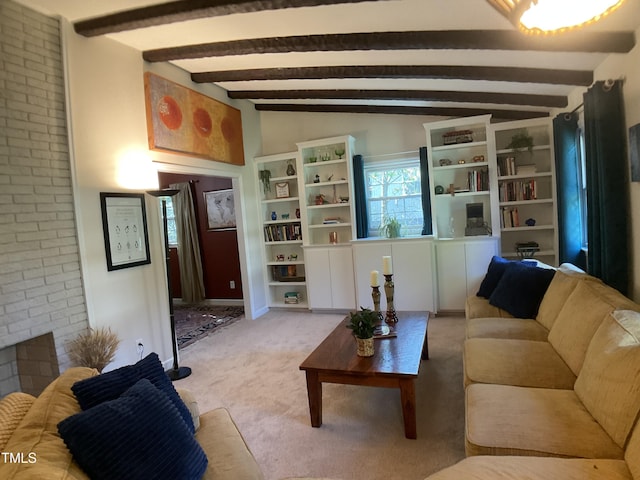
x,y
42,302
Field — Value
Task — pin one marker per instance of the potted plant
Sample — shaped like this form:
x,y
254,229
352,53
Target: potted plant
x,y
95,348
363,324
265,177
520,141
390,227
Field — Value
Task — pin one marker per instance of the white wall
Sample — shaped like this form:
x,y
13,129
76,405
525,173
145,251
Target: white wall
x,y
110,153
375,134
625,67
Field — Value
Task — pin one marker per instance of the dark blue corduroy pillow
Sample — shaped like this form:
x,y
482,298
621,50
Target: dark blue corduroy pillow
x,y
110,385
495,270
521,288
140,435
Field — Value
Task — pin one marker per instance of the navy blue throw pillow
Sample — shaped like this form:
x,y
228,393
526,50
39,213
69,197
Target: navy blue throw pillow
x,y
110,385
495,270
138,436
521,288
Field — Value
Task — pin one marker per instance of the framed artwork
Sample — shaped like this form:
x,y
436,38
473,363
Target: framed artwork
x,y
221,214
634,141
181,120
282,190
124,223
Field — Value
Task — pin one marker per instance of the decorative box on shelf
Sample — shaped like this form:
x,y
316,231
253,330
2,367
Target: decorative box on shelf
x,y
292,298
458,136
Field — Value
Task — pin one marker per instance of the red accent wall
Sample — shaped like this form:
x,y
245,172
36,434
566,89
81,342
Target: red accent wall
x,y
219,248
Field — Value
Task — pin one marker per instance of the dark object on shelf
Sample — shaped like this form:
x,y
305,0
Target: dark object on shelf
x,y
530,222
527,249
458,136
475,220
439,189
286,273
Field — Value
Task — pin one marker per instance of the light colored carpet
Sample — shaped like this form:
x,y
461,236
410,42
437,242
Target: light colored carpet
x,y
251,368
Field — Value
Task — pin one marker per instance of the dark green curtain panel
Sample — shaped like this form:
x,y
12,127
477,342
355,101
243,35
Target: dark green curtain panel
x,y
427,226
360,192
607,185
565,137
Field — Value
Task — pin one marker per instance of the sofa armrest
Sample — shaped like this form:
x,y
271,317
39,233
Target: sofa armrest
x,y
190,401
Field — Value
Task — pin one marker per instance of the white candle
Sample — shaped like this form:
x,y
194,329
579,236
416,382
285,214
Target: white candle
x,y
374,278
387,268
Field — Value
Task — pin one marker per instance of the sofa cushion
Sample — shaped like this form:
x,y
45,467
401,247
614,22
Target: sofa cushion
x,y
13,408
508,420
522,363
38,432
521,288
609,382
632,452
580,317
564,282
140,435
513,328
529,468
229,456
495,270
479,307
110,385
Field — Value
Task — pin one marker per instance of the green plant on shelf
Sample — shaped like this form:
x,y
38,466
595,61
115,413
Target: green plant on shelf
x,y
390,227
521,141
265,177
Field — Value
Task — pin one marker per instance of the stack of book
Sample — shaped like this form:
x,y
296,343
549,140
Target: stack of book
x,y
283,232
478,180
509,217
517,190
528,169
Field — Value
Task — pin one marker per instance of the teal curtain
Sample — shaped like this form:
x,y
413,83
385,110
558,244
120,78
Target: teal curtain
x,y
570,228
427,226
360,193
607,185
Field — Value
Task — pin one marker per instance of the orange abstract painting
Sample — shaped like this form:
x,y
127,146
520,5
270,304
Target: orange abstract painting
x,y
181,120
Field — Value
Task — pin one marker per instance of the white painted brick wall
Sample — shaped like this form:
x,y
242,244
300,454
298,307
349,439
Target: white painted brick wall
x,y
40,276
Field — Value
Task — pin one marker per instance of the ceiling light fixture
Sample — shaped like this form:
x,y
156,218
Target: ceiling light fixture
x,y
553,16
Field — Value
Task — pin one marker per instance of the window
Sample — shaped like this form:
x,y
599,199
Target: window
x,y
171,222
582,180
393,190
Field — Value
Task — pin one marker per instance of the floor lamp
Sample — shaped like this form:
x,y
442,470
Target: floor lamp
x,y
176,373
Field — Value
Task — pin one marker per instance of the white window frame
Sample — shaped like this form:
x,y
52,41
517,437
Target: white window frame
x,y
411,160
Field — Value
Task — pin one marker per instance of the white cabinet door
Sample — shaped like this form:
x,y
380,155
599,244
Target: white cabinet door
x,y
478,256
413,276
343,291
452,275
413,273
330,280
318,277
461,267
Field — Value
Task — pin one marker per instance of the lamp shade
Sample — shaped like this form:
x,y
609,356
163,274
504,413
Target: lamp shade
x,y
553,16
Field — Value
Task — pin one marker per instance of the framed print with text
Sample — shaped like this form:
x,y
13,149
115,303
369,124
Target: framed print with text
x,y
124,223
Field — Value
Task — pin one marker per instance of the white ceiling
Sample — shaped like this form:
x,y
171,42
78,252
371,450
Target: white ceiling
x,y
373,16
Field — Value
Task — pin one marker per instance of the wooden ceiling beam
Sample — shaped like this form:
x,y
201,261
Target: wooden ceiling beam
x,y
579,41
181,11
398,110
499,74
552,101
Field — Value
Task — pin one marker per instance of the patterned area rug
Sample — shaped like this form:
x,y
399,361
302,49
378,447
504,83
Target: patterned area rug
x,y
194,322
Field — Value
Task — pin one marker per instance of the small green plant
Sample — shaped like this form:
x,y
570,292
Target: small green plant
x,y
94,348
363,322
520,141
390,227
265,177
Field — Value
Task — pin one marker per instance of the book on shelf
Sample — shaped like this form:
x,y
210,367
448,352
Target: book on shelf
x,y
527,169
517,190
506,166
509,217
331,220
478,180
281,233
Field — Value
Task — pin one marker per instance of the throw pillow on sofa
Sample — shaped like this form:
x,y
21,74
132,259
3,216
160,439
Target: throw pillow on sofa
x,y
110,385
521,288
139,435
495,270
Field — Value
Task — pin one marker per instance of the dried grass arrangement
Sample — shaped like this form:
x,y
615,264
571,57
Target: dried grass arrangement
x,y
95,348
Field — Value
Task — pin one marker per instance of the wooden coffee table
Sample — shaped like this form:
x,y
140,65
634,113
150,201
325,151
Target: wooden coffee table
x,y
395,364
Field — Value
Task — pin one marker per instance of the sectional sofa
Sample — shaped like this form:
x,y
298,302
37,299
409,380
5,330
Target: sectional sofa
x,y
556,395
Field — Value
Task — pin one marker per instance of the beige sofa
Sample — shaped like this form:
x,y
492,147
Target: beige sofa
x,y
565,384
28,430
